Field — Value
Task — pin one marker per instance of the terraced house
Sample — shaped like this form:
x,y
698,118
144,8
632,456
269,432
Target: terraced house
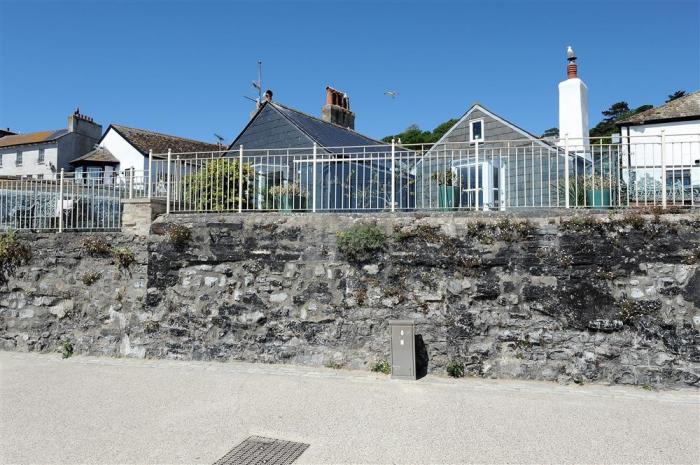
x,y
43,154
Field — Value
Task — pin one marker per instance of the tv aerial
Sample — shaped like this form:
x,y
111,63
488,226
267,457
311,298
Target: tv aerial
x,y
257,85
219,138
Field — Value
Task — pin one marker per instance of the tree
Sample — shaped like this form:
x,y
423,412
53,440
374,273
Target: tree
x,y
617,112
551,132
677,94
215,187
414,135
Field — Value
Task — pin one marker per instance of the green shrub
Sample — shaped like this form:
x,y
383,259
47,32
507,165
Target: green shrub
x,y
382,366
178,235
13,253
96,246
455,369
361,242
66,349
215,188
91,277
124,257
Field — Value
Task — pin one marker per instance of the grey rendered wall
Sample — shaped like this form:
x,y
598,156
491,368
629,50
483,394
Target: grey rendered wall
x,y
72,146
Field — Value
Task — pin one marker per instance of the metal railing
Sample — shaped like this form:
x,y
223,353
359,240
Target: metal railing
x,y
69,201
491,175
596,173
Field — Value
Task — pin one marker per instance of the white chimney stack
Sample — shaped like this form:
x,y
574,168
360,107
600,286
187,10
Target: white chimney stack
x,y
573,107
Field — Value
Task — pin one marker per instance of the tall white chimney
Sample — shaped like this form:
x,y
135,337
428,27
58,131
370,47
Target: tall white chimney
x,y
573,107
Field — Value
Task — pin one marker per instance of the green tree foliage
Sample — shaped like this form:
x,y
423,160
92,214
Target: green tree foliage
x,y
414,135
551,132
617,112
215,188
675,95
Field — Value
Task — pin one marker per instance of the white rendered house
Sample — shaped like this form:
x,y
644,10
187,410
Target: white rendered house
x,y
43,154
661,146
124,149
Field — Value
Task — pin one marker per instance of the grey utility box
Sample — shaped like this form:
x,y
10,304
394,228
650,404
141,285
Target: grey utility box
x,y
403,349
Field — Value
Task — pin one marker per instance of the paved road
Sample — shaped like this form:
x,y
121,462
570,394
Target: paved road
x,y
101,410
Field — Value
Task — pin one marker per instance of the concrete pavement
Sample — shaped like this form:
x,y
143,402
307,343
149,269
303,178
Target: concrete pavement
x,y
102,410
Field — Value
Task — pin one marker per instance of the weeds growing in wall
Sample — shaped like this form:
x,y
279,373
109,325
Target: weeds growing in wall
x,y
361,242
91,277
13,253
124,257
96,246
179,235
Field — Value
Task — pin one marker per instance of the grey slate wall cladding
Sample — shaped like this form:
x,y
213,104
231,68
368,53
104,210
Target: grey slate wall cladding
x,y
606,303
531,168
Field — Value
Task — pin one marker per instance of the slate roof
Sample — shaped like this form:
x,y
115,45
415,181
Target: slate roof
x,y
144,140
327,134
687,107
32,138
99,155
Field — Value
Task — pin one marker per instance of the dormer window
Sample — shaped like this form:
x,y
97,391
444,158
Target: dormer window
x,y
476,130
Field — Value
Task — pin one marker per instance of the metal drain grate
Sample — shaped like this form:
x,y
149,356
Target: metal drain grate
x,y
259,450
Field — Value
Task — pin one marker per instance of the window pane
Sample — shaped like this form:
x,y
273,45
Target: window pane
x,y
476,130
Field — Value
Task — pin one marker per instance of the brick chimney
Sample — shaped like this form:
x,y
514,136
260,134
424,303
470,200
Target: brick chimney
x,y
337,109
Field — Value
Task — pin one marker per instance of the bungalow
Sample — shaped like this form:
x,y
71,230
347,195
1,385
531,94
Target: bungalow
x,y
640,135
124,149
352,171
485,161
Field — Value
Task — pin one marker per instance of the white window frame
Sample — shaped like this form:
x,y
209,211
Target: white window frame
x,y
471,130
486,187
41,157
1,157
19,158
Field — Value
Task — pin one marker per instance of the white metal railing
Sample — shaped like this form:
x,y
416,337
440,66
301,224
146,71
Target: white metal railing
x,y
490,175
597,173
69,201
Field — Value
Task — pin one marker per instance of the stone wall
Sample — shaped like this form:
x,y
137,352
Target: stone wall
x,y
583,300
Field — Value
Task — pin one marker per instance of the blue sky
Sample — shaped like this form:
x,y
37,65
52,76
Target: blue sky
x,y
182,67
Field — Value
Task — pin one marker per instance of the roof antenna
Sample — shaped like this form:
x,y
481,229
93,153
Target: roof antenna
x,y
258,84
220,140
